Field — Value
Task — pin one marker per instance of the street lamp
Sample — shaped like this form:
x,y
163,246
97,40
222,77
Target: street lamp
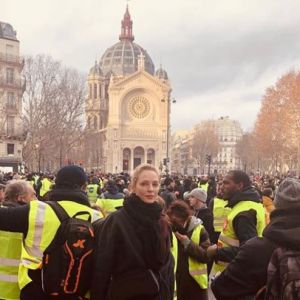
x,y
37,147
167,160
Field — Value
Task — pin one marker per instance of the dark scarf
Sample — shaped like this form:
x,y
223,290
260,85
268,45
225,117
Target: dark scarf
x,y
77,196
151,229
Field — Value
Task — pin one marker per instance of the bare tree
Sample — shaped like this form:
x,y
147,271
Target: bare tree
x,y
205,142
246,150
53,112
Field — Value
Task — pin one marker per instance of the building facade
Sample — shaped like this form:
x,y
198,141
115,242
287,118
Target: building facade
x,y
228,131
128,108
12,87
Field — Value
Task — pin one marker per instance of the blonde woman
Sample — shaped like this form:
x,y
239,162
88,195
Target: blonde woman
x,y
133,248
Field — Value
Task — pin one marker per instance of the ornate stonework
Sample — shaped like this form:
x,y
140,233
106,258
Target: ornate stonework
x,y
139,107
127,106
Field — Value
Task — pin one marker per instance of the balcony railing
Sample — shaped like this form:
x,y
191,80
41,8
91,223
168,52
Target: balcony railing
x,y
19,84
12,59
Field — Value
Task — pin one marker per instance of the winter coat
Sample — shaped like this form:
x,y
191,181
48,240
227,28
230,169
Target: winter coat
x,y
120,257
187,287
247,273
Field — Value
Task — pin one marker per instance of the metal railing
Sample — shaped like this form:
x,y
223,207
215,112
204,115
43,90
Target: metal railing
x,y
10,58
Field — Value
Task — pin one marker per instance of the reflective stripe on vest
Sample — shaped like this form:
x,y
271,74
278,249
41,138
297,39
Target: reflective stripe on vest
x,y
9,262
37,230
10,254
229,241
228,237
196,269
174,251
220,212
8,278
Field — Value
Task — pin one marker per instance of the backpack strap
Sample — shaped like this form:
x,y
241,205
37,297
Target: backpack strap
x,y
59,210
63,215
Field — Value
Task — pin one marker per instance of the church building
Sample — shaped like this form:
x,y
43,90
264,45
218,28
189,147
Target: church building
x,y
128,108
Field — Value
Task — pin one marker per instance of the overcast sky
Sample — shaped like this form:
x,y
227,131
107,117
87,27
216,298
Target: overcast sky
x,y
220,55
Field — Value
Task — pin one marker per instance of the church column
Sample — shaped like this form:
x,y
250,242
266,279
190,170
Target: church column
x,y
145,155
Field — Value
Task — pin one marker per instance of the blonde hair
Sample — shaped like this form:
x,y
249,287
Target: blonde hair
x,y
138,170
16,188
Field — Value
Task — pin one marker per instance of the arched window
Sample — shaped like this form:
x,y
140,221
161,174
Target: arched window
x,y
95,122
89,123
91,91
95,91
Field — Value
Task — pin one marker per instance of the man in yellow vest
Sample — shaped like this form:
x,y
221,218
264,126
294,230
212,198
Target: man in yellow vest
x,y
111,199
17,193
93,190
46,185
245,220
39,223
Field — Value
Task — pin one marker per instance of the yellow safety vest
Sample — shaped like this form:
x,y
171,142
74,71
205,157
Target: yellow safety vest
x,y
109,205
196,269
92,192
42,226
174,251
220,213
10,257
203,186
228,237
46,186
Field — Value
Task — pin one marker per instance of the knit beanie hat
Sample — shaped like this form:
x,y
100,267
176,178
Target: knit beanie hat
x,y
70,177
199,194
288,193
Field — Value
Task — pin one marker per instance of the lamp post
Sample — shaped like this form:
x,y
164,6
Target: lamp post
x,y
167,159
37,147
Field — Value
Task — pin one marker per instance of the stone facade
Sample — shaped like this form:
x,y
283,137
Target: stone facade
x,y
128,108
229,133
12,87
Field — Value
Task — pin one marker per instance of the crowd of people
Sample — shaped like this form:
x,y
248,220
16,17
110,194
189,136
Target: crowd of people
x,y
74,235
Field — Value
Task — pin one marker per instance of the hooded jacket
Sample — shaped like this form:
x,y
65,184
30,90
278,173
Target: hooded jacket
x,y
187,287
244,223
247,273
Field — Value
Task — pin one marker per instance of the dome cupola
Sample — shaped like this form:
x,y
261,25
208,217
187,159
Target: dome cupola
x,y
162,74
96,70
122,57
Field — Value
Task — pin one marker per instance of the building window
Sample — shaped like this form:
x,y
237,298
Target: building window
x,y
95,122
95,91
10,125
91,91
89,123
10,149
10,75
11,101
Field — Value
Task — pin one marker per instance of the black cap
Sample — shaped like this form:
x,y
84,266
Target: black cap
x,y
70,176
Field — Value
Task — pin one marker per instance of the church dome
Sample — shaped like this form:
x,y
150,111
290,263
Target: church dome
x,y
161,74
122,58
96,70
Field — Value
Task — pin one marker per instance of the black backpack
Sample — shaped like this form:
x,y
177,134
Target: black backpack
x,y
67,262
283,275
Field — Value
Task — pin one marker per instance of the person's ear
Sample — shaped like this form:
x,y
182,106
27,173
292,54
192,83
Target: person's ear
x,y
240,186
